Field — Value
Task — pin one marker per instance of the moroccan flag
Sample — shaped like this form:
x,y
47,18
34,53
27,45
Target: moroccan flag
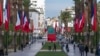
x,y
18,23
93,18
1,14
81,22
6,14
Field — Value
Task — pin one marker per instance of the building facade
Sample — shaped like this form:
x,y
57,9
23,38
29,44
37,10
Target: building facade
x,y
38,17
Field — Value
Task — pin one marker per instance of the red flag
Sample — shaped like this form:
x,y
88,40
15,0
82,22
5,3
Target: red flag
x,y
93,18
81,22
6,14
76,25
1,14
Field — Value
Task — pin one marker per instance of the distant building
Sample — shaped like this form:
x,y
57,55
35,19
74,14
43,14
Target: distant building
x,y
38,17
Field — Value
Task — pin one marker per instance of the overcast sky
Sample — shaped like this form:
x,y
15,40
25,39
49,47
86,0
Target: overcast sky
x,y
53,7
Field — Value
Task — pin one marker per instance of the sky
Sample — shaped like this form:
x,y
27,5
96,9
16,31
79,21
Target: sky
x,y
54,7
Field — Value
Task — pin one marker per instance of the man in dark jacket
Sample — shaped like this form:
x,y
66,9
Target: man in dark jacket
x,y
54,46
86,49
81,48
67,48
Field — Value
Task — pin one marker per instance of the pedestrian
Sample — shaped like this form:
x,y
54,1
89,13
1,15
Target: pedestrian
x,y
62,46
81,48
74,45
42,43
67,48
1,52
21,46
86,49
49,48
54,47
29,44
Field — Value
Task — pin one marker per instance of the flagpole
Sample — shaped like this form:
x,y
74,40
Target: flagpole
x,y
6,33
76,15
15,4
7,25
88,17
97,39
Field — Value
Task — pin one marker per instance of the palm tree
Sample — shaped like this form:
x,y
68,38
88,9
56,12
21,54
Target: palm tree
x,y
65,15
98,13
26,4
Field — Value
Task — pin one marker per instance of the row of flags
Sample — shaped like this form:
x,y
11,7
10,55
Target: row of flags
x,y
79,22
22,22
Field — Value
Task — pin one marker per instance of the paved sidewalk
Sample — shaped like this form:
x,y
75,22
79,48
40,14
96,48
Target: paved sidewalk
x,y
75,52
49,50
32,51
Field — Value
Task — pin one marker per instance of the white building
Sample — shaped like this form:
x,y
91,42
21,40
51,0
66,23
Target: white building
x,y
38,16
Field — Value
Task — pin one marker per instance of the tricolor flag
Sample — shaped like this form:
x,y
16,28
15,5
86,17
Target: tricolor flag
x,y
6,14
26,23
93,18
18,23
81,22
1,14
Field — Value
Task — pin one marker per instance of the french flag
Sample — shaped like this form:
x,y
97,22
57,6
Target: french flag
x,y
6,14
26,23
93,18
18,23
81,22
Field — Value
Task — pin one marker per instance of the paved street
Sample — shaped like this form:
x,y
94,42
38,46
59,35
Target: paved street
x,y
75,52
35,47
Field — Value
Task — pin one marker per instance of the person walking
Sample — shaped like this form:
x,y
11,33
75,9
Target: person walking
x,y
74,45
81,48
54,47
86,49
62,46
67,48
